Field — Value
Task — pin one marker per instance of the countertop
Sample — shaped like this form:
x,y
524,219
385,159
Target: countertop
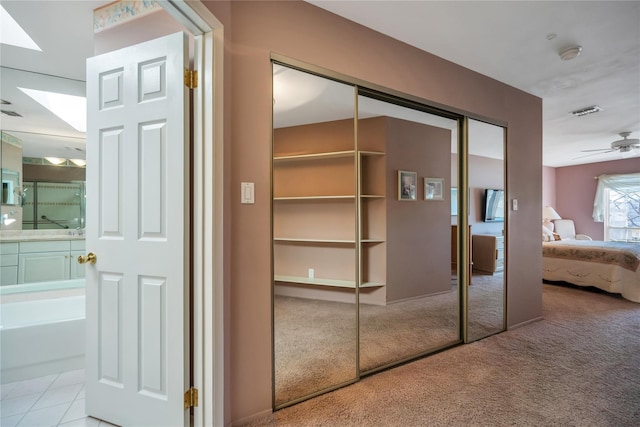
x,y
40,235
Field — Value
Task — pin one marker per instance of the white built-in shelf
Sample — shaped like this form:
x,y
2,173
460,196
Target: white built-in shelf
x,y
316,281
304,240
372,240
327,198
326,282
371,153
315,156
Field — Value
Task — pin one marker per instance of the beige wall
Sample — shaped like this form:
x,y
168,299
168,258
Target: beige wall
x,y
418,233
253,30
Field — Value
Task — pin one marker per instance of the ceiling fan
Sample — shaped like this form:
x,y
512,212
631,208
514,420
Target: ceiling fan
x,y
623,145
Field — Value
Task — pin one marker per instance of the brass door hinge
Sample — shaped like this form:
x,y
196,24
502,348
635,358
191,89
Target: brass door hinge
x,y
191,78
191,398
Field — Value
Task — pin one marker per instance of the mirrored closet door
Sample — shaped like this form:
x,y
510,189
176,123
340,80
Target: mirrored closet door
x,y
487,217
369,195
314,235
408,297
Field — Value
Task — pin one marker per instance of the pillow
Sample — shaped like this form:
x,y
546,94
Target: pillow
x,y
547,235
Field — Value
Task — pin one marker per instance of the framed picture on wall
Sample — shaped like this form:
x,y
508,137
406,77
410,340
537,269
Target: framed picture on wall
x,y
407,185
434,188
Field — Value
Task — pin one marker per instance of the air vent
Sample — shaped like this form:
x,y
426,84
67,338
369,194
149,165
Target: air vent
x,y
10,113
588,110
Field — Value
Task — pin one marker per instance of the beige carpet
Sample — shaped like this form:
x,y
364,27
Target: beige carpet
x,y
580,366
315,345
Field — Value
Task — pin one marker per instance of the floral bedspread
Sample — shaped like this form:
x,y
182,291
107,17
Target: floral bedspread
x,y
625,255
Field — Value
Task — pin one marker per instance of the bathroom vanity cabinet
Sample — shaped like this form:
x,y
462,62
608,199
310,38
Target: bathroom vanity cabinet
x,y
41,260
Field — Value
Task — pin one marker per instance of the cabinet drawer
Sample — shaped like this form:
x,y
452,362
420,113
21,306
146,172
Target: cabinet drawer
x,y
45,246
8,248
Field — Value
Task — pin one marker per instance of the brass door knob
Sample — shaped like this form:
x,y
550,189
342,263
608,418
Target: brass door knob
x,y
89,258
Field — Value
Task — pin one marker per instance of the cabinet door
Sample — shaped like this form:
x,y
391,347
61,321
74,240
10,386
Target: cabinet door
x,y
8,275
76,270
43,266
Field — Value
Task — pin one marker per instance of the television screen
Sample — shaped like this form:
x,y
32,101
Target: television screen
x,y
493,205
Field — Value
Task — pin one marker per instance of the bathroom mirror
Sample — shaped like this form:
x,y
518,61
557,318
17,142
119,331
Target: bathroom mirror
x,y
409,297
47,152
488,213
314,235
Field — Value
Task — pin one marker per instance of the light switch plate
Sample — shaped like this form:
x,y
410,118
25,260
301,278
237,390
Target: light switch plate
x,y
515,204
247,193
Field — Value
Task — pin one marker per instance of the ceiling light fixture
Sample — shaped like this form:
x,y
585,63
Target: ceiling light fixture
x,y
571,53
11,33
55,160
587,110
79,162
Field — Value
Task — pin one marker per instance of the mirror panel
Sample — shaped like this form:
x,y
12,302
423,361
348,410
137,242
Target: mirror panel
x,y
314,235
45,151
486,294
409,297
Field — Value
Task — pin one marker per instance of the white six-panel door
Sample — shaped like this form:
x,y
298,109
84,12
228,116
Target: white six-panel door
x,y
137,226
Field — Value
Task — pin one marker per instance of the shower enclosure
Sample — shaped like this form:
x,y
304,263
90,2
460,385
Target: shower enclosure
x,y
53,205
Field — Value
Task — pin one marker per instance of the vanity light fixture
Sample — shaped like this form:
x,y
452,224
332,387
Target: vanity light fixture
x,y
570,53
55,160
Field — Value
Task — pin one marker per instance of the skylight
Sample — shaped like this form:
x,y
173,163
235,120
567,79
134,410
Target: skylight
x,y
70,108
11,32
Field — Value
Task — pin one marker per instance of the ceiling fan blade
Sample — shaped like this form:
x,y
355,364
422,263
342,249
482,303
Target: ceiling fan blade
x,y
597,149
624,141
593,154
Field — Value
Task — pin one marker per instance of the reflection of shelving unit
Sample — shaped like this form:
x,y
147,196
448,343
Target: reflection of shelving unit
x,y
373,248
318,203
314,209
335,211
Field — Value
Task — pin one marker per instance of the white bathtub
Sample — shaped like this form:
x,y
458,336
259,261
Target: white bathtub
x,y
41,337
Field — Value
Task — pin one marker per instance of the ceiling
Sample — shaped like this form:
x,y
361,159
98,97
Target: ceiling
x,y
510,41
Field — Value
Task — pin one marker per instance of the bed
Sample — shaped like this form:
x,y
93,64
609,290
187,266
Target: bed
x,y
610,266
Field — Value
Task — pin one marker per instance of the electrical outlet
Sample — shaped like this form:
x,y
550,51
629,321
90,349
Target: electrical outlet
x,y
311,273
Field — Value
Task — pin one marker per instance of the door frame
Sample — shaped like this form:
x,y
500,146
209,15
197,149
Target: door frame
x,y
207,201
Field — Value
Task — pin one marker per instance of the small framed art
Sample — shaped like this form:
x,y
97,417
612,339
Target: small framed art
x,y
434,188
407,185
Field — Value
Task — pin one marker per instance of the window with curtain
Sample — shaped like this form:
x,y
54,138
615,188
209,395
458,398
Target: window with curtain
x,y
617,204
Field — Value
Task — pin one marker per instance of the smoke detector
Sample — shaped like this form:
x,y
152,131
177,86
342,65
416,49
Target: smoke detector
x,y
570,53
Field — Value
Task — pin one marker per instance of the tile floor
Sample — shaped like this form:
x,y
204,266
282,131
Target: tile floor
x,y
54,400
